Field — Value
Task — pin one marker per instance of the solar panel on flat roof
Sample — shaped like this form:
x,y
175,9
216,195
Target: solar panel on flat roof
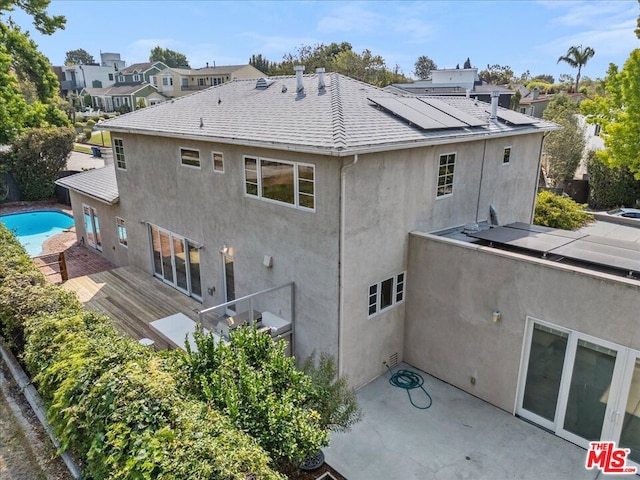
x,y
541,229
600,253
408,113
541,242
514,117
454,112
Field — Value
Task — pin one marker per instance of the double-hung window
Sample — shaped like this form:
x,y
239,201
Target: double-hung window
x,y
290,183
446,167
190,157
385,294
118,150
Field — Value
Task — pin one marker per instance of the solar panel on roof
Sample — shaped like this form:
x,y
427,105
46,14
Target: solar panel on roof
x,y
431,112
600,253
454,112
408,113
514,117
537,241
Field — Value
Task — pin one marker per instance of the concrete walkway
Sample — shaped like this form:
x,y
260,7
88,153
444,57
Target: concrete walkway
x,y
459,437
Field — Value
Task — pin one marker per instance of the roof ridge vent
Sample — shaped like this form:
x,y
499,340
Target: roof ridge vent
x,y
264,83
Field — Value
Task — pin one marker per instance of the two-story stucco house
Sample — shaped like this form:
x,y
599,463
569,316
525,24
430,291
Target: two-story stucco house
x,y
316,179
176,82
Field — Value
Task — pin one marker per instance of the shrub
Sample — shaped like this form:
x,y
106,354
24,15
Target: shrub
x,y
610,186
36,159
560,212
87,132
91,122
78,125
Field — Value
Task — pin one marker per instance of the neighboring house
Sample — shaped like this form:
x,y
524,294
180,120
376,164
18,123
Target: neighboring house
x,y
140,72
77,77
533,103
456,81
315,179
593,142
123,95
175,82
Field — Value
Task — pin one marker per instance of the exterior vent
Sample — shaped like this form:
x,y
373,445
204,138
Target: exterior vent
x,y
393,360
264,83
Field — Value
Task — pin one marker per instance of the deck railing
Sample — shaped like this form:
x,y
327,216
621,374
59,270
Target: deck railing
x,y
47,260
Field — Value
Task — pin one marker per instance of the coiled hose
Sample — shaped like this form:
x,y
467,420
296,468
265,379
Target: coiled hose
x,y
409,380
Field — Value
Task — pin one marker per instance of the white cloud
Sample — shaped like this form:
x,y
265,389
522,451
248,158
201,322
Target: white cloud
x,y
592,13
350,17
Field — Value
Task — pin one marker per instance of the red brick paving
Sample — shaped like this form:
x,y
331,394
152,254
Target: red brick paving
x,y
79,259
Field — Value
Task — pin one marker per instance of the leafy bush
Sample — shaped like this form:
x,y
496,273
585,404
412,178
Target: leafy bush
x,y
259,389
560,212
91,122
87,132
36,159
610,186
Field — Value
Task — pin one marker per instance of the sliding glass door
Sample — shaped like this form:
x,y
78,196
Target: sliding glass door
x,y
582,388
176,261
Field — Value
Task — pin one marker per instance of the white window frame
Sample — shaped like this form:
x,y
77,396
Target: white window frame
x,y
154,80
119,153
180,156
117,101
121,226
452,175
213,160
120,78
374,294
136,78
508,149
296,181
93,215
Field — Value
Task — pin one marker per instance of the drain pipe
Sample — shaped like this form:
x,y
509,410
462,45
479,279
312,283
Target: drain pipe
x,y
343,222
484,151
535,187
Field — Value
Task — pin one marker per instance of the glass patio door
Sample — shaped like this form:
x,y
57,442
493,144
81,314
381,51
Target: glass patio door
x,y
229,282
580,387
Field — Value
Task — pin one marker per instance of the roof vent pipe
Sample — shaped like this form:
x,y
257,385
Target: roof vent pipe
x,y
468,92
494,104
299,85
320,72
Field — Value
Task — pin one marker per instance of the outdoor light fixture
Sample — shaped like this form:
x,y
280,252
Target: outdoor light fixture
x,y
224,249
496,316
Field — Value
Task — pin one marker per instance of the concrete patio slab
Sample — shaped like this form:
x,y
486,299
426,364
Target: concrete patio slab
x,y
459,437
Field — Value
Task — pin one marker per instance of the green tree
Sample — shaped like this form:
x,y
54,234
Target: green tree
x,y
618,114
78,57
497,74
36,159
544,78
423,67
577,57
467,63
170,58
28,86
556,211
563,148
610,186
637,30
260,63
515,100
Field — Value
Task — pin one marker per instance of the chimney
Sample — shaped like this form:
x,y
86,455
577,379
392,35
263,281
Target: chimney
x,y
320,72
468,92
299,85
535,93
494,104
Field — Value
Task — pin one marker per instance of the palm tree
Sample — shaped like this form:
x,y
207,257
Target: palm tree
x,y
577,57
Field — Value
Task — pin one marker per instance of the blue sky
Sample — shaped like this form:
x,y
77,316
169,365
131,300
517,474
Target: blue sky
x,y
526,35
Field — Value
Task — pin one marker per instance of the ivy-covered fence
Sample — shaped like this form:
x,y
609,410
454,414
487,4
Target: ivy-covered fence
x,y
122,408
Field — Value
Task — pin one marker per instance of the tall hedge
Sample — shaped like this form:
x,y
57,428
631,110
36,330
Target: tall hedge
x,y
114,403
611,187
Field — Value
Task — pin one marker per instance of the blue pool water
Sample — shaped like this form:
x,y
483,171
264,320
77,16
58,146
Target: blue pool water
x,y
33,228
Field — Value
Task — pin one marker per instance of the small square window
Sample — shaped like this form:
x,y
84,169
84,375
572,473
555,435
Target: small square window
x,y
189,157
506,157
218,162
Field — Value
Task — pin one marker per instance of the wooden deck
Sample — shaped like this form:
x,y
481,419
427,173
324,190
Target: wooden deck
x,y
132,299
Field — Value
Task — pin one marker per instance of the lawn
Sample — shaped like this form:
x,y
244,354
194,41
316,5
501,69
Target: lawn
x,y
97,138
81,148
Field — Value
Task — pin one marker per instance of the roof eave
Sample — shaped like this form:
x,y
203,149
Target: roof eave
x,y
89,194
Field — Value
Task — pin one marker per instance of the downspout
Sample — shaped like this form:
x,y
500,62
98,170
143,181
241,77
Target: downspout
x,y
484,150
535,190
343,208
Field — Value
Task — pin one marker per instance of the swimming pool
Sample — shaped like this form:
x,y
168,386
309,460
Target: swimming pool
x,y
33,228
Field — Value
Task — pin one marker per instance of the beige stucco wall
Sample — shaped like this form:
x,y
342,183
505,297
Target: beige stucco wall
x,y
453,288
390,194
111,248
211,209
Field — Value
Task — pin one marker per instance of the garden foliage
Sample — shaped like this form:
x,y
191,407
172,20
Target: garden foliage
x,y
556,211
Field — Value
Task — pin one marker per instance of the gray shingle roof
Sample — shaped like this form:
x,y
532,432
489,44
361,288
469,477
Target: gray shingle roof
x,y
118,89
99,183
338,120
221,70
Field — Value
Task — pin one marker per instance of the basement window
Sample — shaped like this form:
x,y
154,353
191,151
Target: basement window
x,y
385,294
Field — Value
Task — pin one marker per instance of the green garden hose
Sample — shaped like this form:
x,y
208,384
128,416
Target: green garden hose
x,y
409,380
